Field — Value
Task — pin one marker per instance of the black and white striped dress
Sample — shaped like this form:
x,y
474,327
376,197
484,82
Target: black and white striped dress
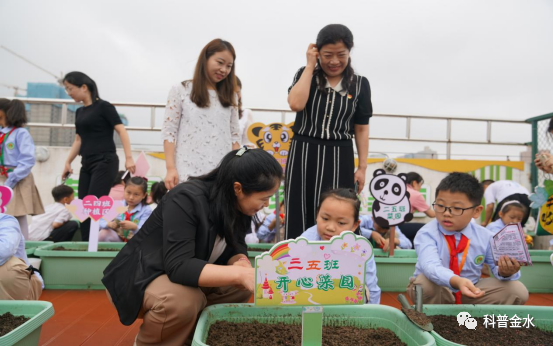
x,y
321,153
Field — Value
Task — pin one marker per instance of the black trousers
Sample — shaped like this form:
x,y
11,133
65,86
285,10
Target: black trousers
x,y
64,233
522,198
96,178
313,167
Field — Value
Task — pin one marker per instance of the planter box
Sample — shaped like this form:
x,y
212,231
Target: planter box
x,y
394,272
75,270
252,254
539,277
543,316
30,246
362,316
28,333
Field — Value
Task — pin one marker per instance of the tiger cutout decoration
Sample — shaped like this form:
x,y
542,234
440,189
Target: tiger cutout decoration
x,y
274,138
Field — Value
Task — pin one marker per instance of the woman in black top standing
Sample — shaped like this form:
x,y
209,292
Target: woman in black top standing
x,y
94,125
333,106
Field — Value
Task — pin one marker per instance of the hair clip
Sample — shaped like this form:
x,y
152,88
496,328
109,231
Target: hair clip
x,y
242,151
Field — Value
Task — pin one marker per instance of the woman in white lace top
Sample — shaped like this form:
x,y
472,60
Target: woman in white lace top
x,y
201,117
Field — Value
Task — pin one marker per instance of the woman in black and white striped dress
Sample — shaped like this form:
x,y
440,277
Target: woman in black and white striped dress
x,y
333,106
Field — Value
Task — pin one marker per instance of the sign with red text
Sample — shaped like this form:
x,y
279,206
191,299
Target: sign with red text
x,y
302,272
95,208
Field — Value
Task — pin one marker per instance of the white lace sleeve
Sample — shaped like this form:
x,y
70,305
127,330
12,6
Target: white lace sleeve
x,y
234,125
173,113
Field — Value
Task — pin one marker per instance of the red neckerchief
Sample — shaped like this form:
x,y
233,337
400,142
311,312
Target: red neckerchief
x,y
4,137
462,247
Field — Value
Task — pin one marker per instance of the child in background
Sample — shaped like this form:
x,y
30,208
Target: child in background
x,y
418,203
55,224
18,279
339,212
117,191
511,212
266,232
157,192
129,223
451,251
381,235
17,158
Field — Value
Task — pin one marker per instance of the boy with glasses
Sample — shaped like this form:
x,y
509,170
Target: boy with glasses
x,y
451,251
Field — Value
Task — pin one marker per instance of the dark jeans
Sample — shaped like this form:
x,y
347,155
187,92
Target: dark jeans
x,y
96,178
64,233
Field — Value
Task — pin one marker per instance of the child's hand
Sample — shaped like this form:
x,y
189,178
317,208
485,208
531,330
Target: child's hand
x,y
129,225
113,225
508,266
385,245
378,239
466,287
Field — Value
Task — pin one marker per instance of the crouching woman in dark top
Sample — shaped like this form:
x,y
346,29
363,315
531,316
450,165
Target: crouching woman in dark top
x,y
191,252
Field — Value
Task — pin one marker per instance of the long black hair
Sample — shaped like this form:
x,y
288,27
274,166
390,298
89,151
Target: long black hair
x,y
256,170
335,33
79,79
16,115
414,176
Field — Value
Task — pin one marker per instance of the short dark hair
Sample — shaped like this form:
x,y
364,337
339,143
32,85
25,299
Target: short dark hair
x,y
331,34
413,176
158,190
119,178
61,191
16,115
463,183
345,195
486,182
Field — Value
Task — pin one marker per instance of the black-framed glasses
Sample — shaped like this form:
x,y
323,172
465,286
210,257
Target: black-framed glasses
x,y
456,211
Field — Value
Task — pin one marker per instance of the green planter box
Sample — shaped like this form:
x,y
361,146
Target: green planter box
x,y
539,277
30,246
75,270
543,316
255,252
394,272
362,316
28,333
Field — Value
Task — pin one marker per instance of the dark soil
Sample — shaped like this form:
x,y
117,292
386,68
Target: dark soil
x,y
224,333
417,317
61,248
449,329
9,322
256,249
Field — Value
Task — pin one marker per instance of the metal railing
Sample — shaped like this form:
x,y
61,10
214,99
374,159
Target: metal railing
x,y
408,118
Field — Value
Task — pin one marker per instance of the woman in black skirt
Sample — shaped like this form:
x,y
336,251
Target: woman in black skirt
x,y
333,106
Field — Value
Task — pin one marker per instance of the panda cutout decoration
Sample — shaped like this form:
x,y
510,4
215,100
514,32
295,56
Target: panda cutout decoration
x,y
391,205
